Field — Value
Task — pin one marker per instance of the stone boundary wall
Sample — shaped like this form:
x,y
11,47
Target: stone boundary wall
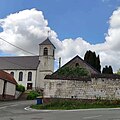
x,y
96,88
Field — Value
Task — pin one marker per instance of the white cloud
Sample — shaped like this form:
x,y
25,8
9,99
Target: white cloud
x,y
28,28
25,29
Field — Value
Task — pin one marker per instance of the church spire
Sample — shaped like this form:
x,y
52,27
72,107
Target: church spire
x,y
47,41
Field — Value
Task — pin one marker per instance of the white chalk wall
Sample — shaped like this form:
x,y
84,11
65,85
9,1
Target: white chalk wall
x,y
1,86
25,77
97,88
10,89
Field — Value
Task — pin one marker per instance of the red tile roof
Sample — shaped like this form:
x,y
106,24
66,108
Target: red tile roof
x,y
7,77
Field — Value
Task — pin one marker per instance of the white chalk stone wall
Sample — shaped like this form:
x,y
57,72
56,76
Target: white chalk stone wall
x,y
25,77
101,88
10,89
1,86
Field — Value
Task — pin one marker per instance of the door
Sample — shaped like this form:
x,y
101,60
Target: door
x,y
29,86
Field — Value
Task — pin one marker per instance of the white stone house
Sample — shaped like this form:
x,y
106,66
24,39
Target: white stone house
x,y
31,70
7,86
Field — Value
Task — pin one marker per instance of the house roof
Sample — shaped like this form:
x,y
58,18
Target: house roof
x,y
7,77
19,63
47,42
83,63
72,63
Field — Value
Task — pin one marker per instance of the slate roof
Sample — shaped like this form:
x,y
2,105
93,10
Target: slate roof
x,y
19,63
47,42
7,77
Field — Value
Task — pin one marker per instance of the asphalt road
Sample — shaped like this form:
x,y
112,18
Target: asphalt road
x,y
14,110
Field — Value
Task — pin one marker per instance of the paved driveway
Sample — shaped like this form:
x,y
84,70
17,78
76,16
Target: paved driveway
x,y
14,110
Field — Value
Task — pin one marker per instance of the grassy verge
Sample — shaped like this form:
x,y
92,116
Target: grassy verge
x,y
69,104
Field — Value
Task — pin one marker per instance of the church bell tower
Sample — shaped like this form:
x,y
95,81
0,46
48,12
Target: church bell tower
x,y
46,58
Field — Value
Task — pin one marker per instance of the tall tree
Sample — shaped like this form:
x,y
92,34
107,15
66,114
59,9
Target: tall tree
x,y
91,58
98,66
107,70
110,70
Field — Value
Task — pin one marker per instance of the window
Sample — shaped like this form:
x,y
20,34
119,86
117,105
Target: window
x,y
29,86
45,51
77,64
12,73
29,76
20,76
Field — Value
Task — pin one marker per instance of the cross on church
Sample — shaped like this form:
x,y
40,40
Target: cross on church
x,y
49,33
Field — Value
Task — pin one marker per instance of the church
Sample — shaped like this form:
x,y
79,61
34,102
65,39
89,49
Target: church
x,y
37,72
30,71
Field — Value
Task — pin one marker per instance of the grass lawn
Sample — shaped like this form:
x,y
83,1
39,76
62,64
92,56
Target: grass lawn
x,y
70,104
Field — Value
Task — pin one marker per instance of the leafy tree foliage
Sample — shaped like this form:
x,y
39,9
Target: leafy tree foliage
x,y
91,58
32,95
107,70
118,72
20,88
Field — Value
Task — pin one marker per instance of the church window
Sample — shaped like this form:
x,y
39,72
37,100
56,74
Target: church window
x,y
77,64
45,51
20,76
29,76
12,73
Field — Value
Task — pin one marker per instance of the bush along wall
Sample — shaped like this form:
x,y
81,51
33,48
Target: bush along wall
x,y
32,95
20,88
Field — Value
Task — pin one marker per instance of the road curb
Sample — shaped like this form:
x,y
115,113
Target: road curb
x,y
76,110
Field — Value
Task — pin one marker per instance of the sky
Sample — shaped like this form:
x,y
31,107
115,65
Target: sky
x,y
75,26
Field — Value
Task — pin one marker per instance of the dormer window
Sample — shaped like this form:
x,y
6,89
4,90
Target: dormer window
x,y
45,51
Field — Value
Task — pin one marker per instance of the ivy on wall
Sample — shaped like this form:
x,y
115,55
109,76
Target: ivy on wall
x,y
72,72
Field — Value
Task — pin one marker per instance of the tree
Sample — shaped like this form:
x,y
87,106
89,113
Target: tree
x,y
107,70
91,58
110,70
98,66
103,71
118,71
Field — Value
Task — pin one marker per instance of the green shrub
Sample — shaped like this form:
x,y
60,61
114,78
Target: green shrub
x,y
66,104
32,95
20,88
